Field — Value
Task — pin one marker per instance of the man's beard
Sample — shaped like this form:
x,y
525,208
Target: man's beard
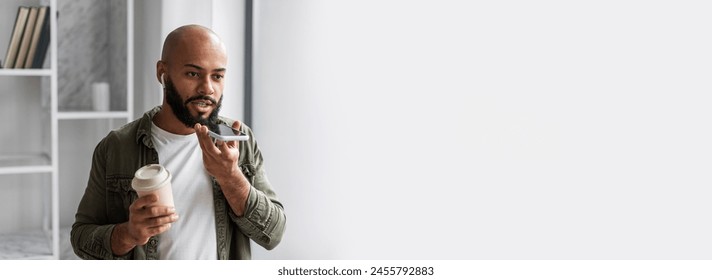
x,y
180,109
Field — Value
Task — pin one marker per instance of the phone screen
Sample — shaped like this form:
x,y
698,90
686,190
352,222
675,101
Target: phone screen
x,y
228,134
226,130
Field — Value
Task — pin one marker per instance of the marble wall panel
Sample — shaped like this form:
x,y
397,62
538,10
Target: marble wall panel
x,y
92,48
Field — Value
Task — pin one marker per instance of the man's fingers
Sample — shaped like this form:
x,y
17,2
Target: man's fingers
x,y
223,146
206,143
155,220
160,211
202,141
144,201
157,230
162,220
236,125
217,149
147,232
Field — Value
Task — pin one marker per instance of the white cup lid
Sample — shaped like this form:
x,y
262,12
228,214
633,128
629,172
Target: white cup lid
x,y
150,177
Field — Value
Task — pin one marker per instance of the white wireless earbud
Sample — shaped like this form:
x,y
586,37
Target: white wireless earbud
x,y
163,81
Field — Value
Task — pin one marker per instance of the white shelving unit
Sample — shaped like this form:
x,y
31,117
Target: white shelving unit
x,y
44,243
41,243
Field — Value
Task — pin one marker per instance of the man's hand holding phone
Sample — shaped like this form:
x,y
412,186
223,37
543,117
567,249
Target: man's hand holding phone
x,y
221,161
220,158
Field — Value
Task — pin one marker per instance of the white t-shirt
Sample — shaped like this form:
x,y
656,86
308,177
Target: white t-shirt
x,y
192,236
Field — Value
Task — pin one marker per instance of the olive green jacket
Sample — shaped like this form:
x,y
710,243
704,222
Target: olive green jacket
x,y
108,195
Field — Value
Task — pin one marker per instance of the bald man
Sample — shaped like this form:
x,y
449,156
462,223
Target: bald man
x,y
221,193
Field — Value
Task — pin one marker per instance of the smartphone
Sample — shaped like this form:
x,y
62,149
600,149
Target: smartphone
x,y
228,134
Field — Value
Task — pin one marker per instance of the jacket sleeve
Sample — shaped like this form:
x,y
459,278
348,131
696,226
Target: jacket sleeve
x,y
91,232
264,219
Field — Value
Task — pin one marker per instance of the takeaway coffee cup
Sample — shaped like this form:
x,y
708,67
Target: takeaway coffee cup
x,y
154,178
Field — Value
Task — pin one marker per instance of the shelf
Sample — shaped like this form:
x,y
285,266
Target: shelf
x,y
26,72
25,163
78,115
26,169
26,245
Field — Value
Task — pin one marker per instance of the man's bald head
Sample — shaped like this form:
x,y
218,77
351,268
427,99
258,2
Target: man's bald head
x,y
189,37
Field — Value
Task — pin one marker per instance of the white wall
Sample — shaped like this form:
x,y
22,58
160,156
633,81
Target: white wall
x,y
487,129
148,42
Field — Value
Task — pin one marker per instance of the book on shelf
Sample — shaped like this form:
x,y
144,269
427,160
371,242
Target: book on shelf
x,y
30,38
26,38
16,37
40,33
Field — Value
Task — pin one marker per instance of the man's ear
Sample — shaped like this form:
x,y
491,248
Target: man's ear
x,y
160,72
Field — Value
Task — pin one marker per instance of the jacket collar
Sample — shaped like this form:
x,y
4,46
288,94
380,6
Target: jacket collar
x,y
143,135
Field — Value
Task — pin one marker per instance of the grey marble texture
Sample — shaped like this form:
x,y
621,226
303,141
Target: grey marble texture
x,y
92,48
31,244
23,246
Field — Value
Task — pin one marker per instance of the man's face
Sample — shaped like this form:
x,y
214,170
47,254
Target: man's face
x,y
198,108
193,68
